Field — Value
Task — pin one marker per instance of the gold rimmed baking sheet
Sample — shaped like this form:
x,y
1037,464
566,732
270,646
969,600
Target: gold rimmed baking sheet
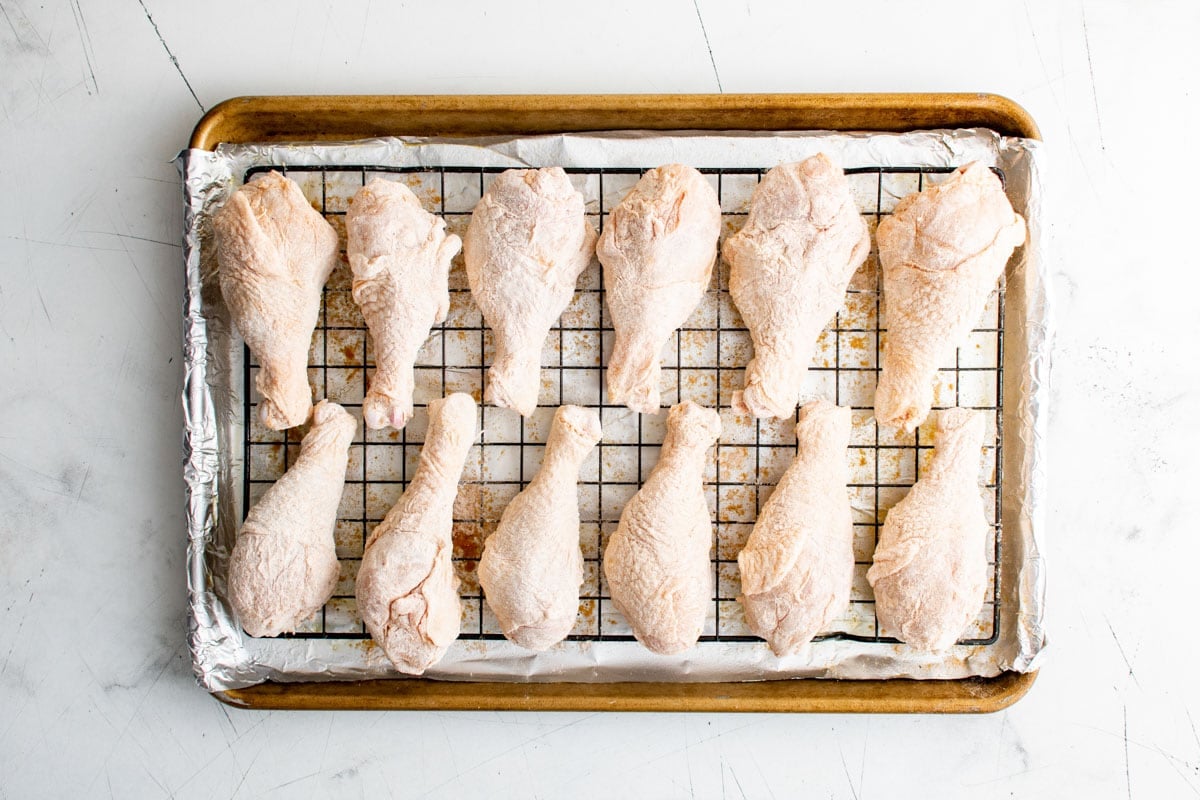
x,y
708,354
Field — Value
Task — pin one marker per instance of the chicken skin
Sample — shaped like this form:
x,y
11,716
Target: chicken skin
x,y
657,561
798,564
532,568
789,268
407,589
284,566
942,251
930,570
400,255
658,249
526,245
275,253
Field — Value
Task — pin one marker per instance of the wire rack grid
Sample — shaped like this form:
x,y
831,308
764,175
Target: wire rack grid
x,y
704,362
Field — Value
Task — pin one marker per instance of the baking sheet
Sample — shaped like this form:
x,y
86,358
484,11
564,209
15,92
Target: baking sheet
x,y
705,363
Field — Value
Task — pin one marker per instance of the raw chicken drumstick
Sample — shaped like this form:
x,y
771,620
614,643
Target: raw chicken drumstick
x,y
284,566
526,244
400,255
789,268
657,561
930,570
942,251
407,588
799,562
658,249
275,253
531,568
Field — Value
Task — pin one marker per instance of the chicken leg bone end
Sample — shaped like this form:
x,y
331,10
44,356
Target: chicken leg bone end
x,y
515,380
387,409
903,399
634,372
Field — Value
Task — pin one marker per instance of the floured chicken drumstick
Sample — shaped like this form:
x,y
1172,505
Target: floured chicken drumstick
x,y
658,249
526,245
400,255
284,566
657,561
799,562
930,570
531,568
789,268
942,251
275,254
407,588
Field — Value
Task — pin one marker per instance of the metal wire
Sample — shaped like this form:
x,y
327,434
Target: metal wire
x,y
707,358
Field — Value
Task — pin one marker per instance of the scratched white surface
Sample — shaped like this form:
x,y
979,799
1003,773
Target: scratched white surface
x,y
96,695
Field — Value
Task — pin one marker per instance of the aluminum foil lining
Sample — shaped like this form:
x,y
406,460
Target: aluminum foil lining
x,y
217,439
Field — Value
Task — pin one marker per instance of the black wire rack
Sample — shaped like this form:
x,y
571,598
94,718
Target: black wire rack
x,y
704,362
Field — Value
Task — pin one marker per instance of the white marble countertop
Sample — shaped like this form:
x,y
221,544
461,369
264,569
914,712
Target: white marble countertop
x,y
96,691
